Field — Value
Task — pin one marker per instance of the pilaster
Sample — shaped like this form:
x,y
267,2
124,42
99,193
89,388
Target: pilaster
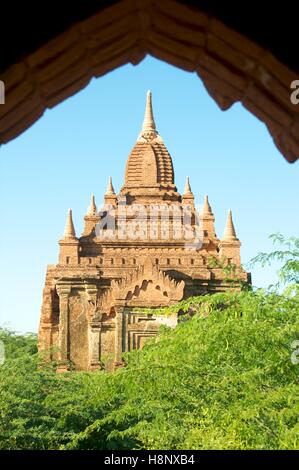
x,y
94,328
119,333
63,355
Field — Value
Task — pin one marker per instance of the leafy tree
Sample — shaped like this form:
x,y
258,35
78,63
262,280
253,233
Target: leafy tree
x,y
287,255
222,379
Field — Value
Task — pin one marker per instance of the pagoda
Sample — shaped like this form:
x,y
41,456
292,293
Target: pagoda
x,y
146,247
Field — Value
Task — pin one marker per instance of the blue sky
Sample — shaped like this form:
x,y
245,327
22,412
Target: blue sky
x,y
70,152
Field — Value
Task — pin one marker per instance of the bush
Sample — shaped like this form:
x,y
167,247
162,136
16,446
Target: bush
x,y
223,379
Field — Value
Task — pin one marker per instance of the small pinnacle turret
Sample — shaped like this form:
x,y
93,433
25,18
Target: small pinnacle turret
x,y
207,219
230,244
187,189
92,216
187,196
92,209
229,232
206,210
110,190
69,231
110,196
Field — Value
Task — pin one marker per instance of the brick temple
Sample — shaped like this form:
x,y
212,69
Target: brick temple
x,y
147,247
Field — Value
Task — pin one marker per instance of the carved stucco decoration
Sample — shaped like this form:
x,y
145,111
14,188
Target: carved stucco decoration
x,y
146,283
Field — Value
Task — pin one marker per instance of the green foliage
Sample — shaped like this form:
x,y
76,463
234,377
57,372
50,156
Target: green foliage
x,y
229,270
222,379
288,255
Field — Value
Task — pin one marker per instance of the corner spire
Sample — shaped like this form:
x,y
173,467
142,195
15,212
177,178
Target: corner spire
x,y
229,232
110,189
92,209
206,206
69,231
187,189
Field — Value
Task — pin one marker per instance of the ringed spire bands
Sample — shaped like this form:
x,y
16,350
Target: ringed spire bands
x,y
149,166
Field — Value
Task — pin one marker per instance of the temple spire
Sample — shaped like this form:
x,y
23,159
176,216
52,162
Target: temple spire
x,y
69,231
92,209
148,122
229,232
207,219
148,131
110,189
206,206
187,189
